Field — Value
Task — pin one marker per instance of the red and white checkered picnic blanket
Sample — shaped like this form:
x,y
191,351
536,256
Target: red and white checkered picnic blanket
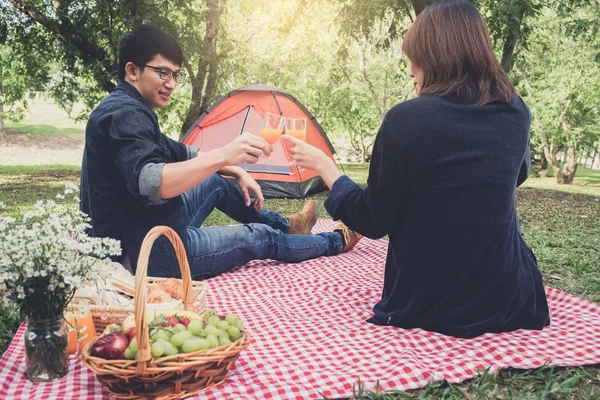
x,y
310,338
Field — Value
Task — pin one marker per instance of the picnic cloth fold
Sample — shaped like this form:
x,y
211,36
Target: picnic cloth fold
x,y
310,338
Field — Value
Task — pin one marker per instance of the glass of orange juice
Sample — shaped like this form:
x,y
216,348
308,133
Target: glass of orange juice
x,y
80,327
272,127
295,127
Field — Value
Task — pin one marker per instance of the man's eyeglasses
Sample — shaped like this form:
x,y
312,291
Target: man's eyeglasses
x,y
166,74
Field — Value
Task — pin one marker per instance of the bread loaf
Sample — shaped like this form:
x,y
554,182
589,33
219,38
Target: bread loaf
x,y
173,287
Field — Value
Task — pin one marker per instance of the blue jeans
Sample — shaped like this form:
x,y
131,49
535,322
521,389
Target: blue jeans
x,y
214,250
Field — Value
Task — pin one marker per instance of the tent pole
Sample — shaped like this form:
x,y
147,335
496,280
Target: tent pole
x,y
277,102
245,119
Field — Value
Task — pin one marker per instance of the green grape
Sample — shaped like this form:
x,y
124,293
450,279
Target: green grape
x,y
223,325
211,330
195,327
223,334
240,324
213,320
224,340
170,350
190,345
158,349
213,341
179,328
203,344
160,334
232,319
234,333
133,345
209,313
130,354
180,337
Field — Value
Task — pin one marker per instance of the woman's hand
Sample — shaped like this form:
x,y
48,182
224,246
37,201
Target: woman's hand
x,y
310,157
305,155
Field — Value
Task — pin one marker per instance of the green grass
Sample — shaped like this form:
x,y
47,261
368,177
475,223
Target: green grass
x,y
45,117
43,129
23,185
561,227
587,181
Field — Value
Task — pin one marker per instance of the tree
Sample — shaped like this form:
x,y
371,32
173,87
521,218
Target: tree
x,y
505,18
369,79
23,67
83,39
347,83
78,39
559,79
188,22
510,22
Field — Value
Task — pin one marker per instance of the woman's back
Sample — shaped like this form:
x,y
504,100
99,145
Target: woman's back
x,y
441,184
457,263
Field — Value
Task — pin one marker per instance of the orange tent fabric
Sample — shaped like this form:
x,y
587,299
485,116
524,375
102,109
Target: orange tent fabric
x,y
243,110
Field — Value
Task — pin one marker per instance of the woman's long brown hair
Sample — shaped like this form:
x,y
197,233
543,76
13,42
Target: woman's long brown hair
x,y
449,41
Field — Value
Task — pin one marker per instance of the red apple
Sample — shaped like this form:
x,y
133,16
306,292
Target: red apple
x,y
110,347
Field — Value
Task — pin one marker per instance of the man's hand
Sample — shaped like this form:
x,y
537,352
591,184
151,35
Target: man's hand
x,y
246,148
249,185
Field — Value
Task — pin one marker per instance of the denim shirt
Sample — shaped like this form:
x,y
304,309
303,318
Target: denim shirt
x,y
123,148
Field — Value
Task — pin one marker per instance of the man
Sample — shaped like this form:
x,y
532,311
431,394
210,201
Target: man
x,y
134,177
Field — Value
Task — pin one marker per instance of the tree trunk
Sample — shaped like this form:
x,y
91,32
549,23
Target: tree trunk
x,y
567,174
590,157
596,163
204,83
543,162
1,109
596,160
512,36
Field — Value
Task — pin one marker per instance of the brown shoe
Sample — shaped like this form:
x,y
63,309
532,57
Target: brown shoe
x,y
350,237
301,223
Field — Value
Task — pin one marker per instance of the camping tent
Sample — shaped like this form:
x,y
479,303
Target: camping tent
x,y
243,110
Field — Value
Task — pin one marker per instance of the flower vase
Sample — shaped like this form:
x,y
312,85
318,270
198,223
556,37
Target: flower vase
x,y
46,349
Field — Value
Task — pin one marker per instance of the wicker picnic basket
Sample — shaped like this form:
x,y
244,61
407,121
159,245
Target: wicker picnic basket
x,y
116,313
173,377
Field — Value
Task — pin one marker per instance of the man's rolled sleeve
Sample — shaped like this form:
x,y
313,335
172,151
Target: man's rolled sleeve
x,y
192,151
149,183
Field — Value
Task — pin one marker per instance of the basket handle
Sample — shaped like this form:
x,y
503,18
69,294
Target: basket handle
x,y
141,320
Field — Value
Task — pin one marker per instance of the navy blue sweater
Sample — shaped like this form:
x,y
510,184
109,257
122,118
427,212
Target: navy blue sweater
x,y
442,184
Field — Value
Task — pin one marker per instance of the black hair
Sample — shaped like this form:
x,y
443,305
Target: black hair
x,y
141,45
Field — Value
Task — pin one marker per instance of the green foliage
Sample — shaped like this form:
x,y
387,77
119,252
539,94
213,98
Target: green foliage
x,y
370,79
558,77
68,47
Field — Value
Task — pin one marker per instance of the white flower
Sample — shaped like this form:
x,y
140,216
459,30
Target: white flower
x,y
49,250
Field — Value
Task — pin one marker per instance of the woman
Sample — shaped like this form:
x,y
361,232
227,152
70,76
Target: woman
x,y
441,184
